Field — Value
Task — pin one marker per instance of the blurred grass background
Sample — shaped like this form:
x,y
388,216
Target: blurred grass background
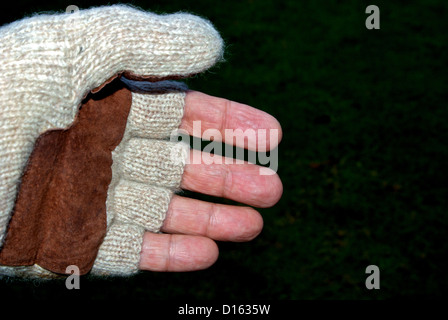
x,y
363,159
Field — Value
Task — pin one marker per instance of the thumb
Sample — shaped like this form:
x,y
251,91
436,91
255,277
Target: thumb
x,y
143,45
63,57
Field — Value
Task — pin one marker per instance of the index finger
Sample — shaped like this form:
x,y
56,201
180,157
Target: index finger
x,y
219,119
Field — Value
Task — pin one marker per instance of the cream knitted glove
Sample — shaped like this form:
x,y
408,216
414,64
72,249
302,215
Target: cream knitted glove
x,y
48,65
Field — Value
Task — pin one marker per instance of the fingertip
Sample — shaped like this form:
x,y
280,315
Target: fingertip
x,y
193,253
278,127
277,187
273,131
212,252
258,224
251,227
273,194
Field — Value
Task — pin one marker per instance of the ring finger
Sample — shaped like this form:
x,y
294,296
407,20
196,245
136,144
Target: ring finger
x,y
215,221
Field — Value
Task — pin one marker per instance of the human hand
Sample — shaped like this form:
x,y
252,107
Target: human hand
x,y
49,65
191,225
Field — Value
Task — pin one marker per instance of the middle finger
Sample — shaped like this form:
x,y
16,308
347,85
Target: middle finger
x,y
239,182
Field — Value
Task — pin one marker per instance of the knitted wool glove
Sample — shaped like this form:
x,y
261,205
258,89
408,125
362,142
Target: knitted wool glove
x,y
85,163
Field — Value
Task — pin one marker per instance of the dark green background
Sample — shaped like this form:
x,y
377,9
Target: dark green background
x,y
363,160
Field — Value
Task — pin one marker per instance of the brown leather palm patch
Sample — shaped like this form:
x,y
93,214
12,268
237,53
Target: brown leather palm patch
x,y
60,212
